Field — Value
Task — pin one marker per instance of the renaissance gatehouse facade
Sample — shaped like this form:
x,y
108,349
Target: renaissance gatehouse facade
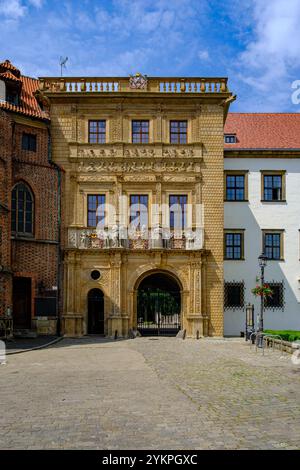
x,y
143,143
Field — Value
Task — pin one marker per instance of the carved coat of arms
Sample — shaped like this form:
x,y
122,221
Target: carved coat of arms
x,y
138,81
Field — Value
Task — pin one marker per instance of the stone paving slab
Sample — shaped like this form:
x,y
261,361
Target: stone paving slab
x,y
94,393
16,345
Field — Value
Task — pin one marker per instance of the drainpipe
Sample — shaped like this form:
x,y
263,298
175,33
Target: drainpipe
x,y
59,254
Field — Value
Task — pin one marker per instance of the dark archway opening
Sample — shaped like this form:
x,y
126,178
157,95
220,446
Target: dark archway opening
x,y
158,305
95,312
22,303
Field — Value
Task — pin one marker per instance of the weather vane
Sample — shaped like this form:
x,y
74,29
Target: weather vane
x,y
62,61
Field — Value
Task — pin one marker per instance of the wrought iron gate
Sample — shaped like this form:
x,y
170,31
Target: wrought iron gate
x,y
158,312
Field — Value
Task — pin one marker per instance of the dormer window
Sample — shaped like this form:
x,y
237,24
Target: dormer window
x,y
12,96
230,138
10,83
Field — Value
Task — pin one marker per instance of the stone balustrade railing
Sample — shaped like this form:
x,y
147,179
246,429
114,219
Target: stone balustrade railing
x,y
84,238
126,84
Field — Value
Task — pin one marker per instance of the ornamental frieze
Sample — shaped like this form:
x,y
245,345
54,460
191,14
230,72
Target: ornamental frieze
x,y
96,153
182,153
179,179
139,152
132,151
96,178
115,167
139,178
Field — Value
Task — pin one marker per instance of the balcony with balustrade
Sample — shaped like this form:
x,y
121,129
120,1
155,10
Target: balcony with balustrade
x,y
148,239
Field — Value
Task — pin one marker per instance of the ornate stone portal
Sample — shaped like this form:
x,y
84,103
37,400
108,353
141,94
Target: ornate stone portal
x,y
158,169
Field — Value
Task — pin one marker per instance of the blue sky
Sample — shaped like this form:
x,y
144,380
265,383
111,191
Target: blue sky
x,y
256,43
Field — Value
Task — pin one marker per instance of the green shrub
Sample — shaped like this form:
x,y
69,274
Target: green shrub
x,y
286,335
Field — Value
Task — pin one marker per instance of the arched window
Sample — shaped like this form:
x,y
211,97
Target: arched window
x,y
22,208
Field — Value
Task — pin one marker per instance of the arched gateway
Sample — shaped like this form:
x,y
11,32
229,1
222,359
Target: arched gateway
x,y
158,305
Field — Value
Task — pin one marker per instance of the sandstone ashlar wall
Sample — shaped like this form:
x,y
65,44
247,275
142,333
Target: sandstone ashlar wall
x,y
211,126
157,169
121,273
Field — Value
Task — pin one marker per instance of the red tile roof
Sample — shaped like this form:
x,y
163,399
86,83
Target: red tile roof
x,y
263,130
29,105
7,65
9,76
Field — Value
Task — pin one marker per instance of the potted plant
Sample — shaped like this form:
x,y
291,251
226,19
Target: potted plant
x,y
262,291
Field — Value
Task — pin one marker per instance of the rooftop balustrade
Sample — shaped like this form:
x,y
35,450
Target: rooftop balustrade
x,y
136,83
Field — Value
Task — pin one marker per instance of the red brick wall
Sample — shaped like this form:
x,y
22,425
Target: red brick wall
x,y
38,257
5,185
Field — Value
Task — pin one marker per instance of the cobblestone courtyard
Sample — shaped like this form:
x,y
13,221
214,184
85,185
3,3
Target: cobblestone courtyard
x,y
149,393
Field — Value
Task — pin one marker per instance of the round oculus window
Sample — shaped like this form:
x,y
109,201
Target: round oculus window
x,y
95,274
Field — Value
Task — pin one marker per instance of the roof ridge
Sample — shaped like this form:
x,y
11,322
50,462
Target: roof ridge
x,y
31,78
265,113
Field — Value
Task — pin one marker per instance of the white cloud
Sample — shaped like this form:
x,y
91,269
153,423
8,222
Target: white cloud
x,y
36,3
12,9
203,55
270,61
275,51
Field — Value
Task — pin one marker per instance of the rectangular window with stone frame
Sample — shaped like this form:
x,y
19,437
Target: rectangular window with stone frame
x,y
97,132
95,209
138,211
273,185
235,185
178,132
140,132
234,244
273,244
178,211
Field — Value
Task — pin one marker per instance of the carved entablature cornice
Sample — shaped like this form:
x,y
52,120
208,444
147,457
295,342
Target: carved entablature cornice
x,y
135,151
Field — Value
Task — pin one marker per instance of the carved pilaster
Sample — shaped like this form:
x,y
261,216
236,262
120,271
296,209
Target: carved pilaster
x,y
117,195
81,130
197,287
194,125
158,121
117,125
70,278
74,122
116,264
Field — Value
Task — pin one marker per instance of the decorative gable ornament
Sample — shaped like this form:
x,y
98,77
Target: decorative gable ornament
x,y
138,81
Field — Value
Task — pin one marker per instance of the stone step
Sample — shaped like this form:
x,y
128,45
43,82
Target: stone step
x,y
25,333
